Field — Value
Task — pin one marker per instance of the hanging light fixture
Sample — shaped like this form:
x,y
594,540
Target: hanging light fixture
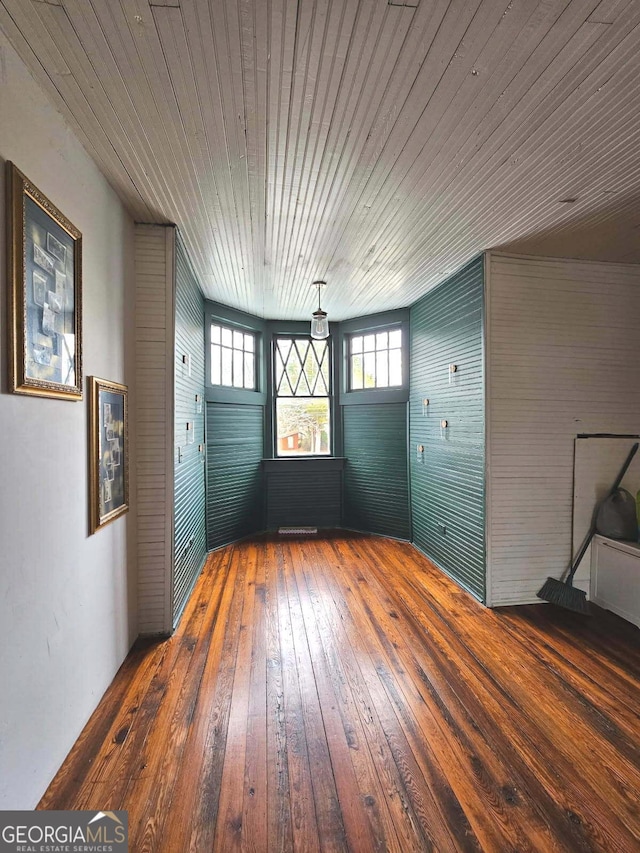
x,y
319,322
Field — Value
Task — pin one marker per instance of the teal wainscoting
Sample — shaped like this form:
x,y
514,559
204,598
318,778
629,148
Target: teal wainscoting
x,y
376,496
189,480
235,504
448,476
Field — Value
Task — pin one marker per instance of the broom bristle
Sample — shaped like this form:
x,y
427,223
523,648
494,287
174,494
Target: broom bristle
x,y
556,592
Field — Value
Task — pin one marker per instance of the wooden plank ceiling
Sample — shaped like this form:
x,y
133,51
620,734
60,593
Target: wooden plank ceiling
x,y
377,144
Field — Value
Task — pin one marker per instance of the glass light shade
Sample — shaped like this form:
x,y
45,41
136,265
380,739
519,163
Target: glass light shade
x,y
319,325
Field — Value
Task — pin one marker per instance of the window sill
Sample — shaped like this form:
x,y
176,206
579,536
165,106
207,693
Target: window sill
x,y
222,394
369,396
304,463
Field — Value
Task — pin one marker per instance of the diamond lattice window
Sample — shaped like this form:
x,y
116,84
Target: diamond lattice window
x,y
302,396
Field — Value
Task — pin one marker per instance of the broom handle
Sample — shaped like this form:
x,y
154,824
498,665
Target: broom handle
x,y
592,529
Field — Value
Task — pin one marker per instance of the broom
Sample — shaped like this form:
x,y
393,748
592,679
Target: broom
x,y
564,594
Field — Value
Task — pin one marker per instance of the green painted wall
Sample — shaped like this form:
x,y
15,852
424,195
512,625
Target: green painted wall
x,y
235,501
303,492
375,476
189,487
448,479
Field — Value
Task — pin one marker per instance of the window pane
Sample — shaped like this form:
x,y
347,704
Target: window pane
x,y
293,370
395,367
215,365
238,368
284,345
302,368
303,426
310,373
283,378
228,347
369,369
395,338
321,350
227,378
249,370
357,373
324,379
382,369
371,363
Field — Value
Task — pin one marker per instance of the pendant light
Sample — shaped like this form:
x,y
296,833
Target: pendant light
x,y
319,322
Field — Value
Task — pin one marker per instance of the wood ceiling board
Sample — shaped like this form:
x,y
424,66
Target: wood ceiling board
x,y
173,41
66,97
286,182
206,62
542,207
396,149
352,129
467,187
227,43
466,178
608,10
439,188
282,32
67,27
325,105
256,102
438,125
140,105
352,140
336,132
386,160
139,53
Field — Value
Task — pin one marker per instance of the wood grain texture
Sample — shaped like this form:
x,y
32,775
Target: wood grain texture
x,y
380,146
342,694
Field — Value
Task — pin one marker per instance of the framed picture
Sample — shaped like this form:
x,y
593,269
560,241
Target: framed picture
x,y
108,452
45,294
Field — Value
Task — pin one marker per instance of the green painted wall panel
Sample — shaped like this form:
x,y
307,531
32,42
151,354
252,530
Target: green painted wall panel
x,y
448,478
376,495
298,500
189,485
235,505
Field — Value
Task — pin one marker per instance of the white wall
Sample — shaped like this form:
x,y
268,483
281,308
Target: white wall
x,y
67,599
563,358
155,274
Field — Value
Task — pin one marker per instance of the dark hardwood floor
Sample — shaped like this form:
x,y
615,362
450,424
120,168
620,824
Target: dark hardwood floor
x,y
342,694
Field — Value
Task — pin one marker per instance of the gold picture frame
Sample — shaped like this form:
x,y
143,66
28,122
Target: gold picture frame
x,y
108,452
44,253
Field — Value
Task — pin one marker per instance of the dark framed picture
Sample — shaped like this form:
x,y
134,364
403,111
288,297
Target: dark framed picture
x,y
108,452
45,294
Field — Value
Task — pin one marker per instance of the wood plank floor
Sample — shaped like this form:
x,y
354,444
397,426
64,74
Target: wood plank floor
x,y
342,694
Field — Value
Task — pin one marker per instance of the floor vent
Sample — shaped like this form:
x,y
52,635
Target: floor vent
x,y
297,531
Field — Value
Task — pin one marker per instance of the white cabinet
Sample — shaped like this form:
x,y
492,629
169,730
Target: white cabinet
x,y
615,577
